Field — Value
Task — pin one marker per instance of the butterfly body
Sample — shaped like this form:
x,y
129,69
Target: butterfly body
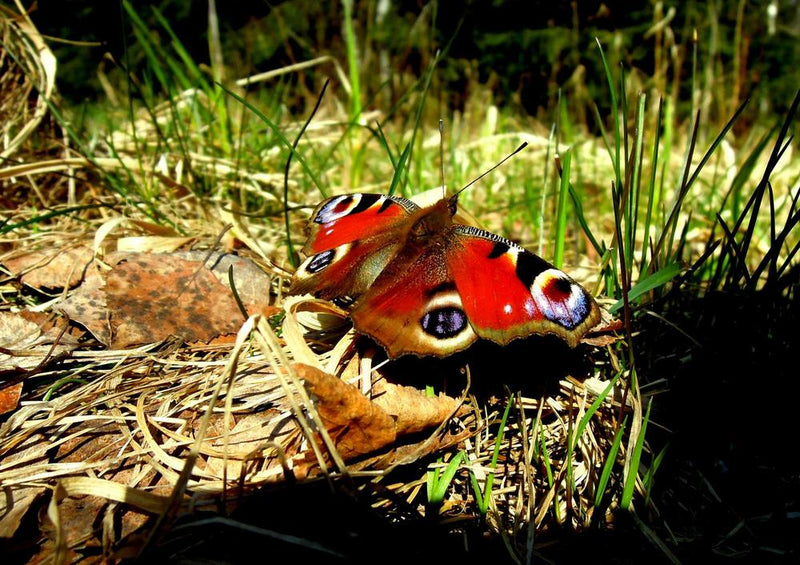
x,y
424,284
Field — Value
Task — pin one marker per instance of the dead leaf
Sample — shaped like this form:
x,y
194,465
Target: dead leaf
x,y
87,305
54,268
148,297
24,346
9,397
251,282
356,425
411,409
152,297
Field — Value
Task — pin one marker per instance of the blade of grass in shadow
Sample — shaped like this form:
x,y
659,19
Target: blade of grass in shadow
x,y
608,466
666,239
483,497
649,477
576,433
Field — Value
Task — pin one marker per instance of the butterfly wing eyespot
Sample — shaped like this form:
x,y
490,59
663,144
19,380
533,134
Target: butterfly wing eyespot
x,y
561,299
413,309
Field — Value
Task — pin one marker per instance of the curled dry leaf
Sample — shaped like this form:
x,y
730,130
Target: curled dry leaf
x,y
358,425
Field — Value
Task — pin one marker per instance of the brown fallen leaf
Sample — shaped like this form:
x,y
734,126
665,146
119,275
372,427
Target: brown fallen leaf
x,y
251,282
359,426
54,268
356,425
9,397
151,297
147,297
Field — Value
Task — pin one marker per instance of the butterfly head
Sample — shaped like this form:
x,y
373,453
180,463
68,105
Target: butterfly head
x,y
452,204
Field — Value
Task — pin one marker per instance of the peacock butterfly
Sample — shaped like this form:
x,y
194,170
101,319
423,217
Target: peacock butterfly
x,y
423,284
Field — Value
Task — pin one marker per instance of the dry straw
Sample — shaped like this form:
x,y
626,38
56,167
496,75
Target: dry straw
x,y
27,79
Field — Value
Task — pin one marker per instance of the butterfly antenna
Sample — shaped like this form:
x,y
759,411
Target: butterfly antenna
x,y
506,158
441,155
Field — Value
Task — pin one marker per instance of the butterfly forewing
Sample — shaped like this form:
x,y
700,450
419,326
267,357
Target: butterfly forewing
x,y
508,292
350,242
353,217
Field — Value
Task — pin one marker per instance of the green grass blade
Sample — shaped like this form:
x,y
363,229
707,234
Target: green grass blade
x,y
629,482
648,283
615,113
608,466
579,215
590,412
352,60
483,502
400,169
651,192
561,212
285,142
439,481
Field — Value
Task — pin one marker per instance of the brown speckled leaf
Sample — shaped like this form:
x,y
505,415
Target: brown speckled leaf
x,y
151,297
87,305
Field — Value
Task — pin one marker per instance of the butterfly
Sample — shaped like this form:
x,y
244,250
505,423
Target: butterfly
x,y
423,284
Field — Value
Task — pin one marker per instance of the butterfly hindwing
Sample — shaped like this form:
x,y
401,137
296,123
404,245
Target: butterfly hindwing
x,y
413,307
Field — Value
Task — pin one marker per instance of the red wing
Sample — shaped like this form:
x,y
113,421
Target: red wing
x,y
413,307
353,217
508,292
